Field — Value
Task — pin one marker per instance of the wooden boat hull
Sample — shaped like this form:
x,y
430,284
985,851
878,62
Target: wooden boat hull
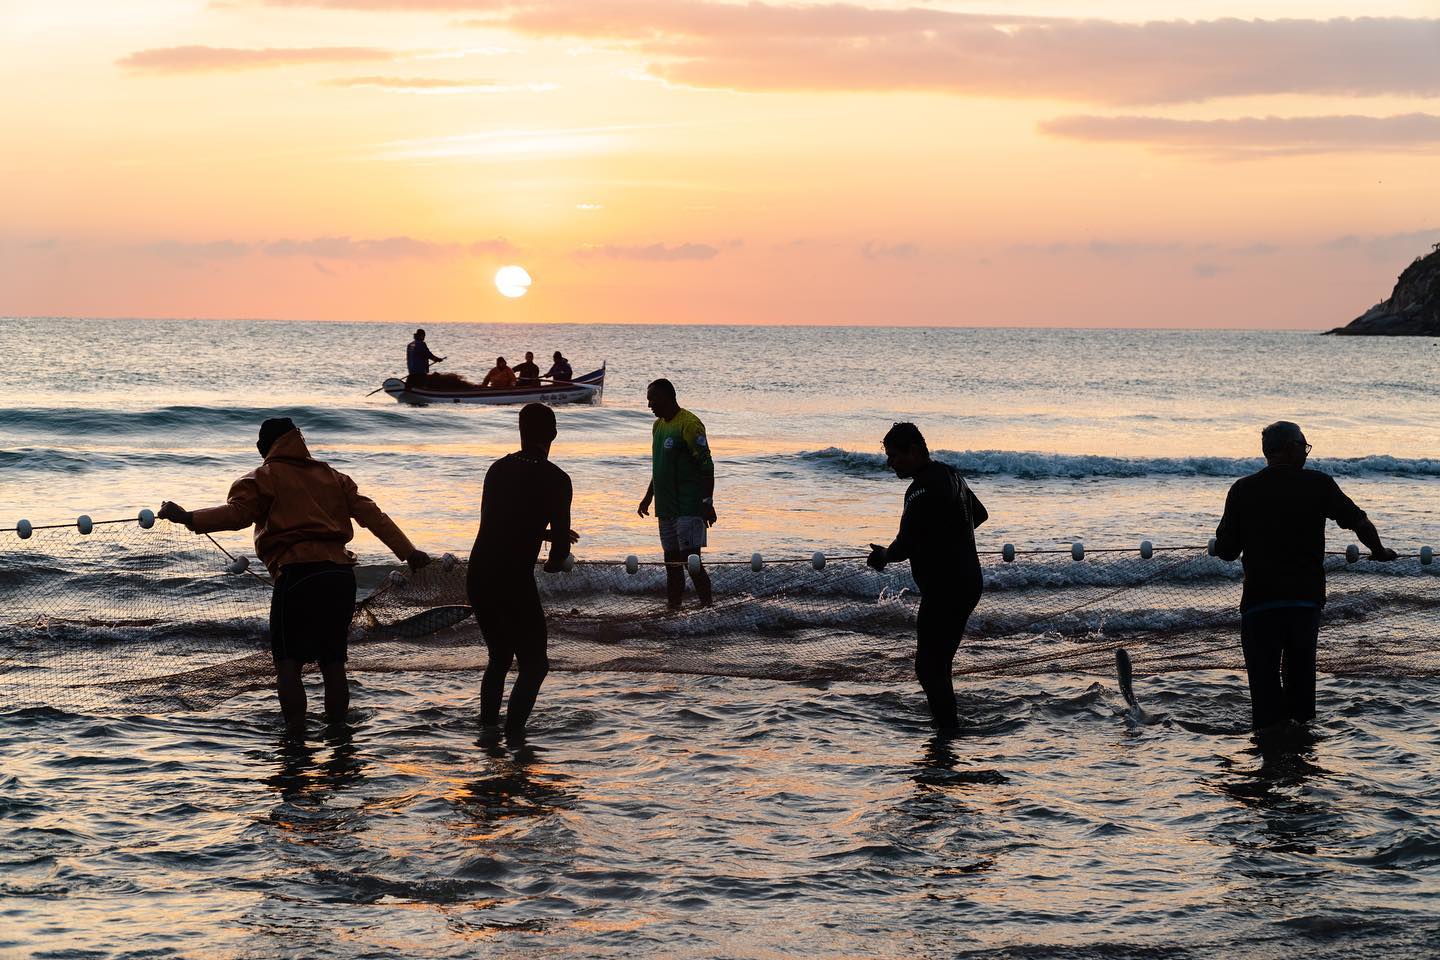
x,y
586,389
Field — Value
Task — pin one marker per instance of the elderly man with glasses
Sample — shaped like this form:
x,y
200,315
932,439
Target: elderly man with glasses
x,y
1275,522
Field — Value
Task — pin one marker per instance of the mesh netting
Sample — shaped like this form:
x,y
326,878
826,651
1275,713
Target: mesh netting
x,y
128,618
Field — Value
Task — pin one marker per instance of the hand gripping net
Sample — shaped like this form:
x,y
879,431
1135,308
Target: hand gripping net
x,y
152,619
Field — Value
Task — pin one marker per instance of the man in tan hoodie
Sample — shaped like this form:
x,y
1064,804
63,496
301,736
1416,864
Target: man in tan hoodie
x,y
301,509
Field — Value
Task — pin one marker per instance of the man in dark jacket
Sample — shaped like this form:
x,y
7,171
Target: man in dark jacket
x,y
418,359
301,508
526,501
1275,521
937,536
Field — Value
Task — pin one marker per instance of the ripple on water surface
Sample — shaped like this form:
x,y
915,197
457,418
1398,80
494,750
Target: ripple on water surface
x,y
720,817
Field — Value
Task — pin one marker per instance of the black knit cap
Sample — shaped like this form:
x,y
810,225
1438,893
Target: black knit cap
x,y
272,430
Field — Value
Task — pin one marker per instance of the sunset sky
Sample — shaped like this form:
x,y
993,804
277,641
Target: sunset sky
x,y
1271,163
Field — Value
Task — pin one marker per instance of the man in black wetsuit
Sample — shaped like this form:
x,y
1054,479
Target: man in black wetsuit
x,y
937,536
527,374
524,496
1275,521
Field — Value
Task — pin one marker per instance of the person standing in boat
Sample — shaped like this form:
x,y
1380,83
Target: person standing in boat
x,y
560,370
500,376
301,508
525,501
937,536
418,359
527,374
682,487
1274,522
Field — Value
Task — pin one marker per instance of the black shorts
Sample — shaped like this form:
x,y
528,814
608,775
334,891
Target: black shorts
x,y
310,612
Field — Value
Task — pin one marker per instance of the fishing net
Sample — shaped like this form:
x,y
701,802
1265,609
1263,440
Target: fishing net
x,y
158,619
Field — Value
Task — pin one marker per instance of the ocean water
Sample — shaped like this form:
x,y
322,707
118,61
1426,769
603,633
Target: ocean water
x,y
717,816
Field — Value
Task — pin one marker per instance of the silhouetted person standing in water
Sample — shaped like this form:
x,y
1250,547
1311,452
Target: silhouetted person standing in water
x,y
682,486
937,536
418,359
525,496
301,509
1275,521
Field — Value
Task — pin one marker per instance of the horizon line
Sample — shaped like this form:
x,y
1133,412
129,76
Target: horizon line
x,y
622,323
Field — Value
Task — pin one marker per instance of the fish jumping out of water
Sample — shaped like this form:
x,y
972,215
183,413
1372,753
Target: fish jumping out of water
x,y
1135,715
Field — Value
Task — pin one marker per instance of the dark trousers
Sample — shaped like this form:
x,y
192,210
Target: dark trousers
x,y
1280,661
939,627
513,624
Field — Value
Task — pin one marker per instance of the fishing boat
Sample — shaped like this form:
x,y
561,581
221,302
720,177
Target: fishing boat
x,y
586,389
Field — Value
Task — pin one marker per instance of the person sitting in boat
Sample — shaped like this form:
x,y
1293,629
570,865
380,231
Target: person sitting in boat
x,y
418,359
560,370
500,376
527,373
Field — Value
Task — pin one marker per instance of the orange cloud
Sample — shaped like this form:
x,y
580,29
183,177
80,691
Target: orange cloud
x,y
329,248
654,251
1257,136
199,59
852,47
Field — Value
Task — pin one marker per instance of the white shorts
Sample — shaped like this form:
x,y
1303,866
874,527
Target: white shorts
x,y
682,534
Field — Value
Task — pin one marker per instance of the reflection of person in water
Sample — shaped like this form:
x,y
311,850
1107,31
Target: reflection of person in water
x,y
937,536
524,496
303,775
1275,522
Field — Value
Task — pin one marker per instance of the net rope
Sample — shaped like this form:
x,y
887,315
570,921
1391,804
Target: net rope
x,y
127,618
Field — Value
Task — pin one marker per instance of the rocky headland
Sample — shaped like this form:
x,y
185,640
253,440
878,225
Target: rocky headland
x,y
1413,309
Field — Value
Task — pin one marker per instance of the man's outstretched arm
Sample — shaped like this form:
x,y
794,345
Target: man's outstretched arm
x,y
1369,536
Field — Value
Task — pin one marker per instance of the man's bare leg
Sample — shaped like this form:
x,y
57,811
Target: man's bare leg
x,y
291,689
337,691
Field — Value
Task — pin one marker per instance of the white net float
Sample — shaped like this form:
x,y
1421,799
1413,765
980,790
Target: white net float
x,y
448,561
757,562
1427,554
23,528
632,564
1352,554
1210,547
238,565
1007,553
693,562
568,563
146,518
396,578
84,524
1077,551
817,560
1147,549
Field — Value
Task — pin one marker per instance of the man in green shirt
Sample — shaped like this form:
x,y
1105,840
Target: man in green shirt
x,y
682,487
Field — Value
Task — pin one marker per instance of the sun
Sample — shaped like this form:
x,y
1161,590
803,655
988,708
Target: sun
x,y
512,281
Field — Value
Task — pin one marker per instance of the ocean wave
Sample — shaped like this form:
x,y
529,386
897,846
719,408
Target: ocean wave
x,y
1040,466
51,460
83,421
